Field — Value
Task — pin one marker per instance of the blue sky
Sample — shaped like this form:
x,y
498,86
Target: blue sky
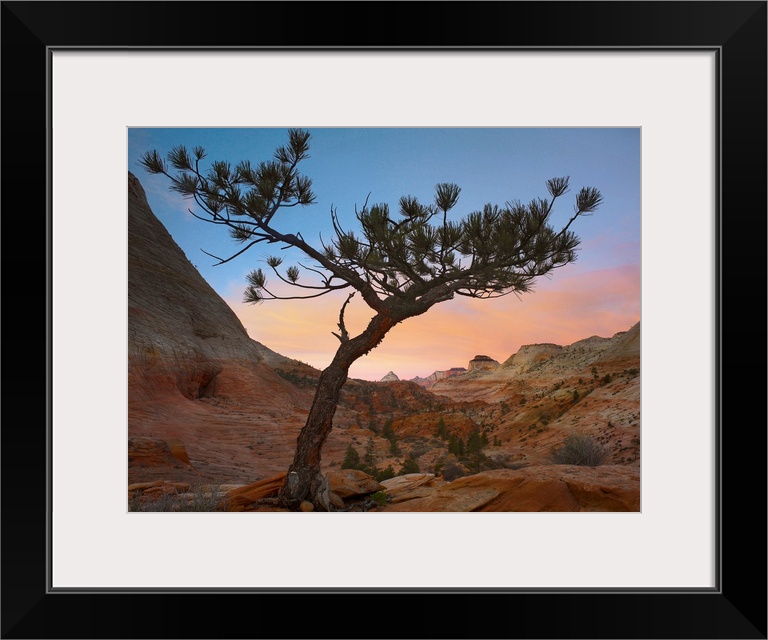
x,y
599,294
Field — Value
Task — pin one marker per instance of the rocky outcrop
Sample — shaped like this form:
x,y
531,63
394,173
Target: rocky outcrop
x,y
181,334
194,374
350,483
411,486
539,488
435,376
531,489
242,498
482,363
623,351
531,354
150,458
390,377
347,484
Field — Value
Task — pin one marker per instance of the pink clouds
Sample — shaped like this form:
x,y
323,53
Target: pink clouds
x,y
563,310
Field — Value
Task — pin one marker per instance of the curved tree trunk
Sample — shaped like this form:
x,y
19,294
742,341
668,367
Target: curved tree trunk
x,y
305,480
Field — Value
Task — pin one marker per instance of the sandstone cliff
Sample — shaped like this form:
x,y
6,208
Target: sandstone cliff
x,y
181,334
190,361
482,363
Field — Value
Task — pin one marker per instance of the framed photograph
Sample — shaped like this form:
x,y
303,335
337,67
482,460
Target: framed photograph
x,y
688,80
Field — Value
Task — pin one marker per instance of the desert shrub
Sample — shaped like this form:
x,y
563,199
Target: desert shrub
x,y
296,379
203,498
581,450
418,451
380,498
453,471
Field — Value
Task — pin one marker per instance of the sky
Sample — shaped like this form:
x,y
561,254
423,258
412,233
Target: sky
x,y
598,294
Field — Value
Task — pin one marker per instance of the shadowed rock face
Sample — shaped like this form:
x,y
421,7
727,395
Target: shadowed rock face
x,y
482,363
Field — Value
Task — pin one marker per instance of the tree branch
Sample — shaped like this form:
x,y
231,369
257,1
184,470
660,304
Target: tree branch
x,y
343,336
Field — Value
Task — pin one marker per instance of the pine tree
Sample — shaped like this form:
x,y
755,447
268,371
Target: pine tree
x,y
442,429
409,466
351,459
401,262
474,442
369,460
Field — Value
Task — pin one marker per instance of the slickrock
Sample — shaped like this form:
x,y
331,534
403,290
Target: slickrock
x,y
150,457
196,380
407,482
166,485
539,488
411,486
349,483
242,497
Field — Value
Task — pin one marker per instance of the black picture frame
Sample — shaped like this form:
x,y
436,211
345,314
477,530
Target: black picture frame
x,y
736,608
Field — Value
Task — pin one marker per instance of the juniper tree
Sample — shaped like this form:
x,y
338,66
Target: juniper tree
x,y
401,262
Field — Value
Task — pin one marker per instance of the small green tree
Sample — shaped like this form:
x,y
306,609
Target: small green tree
x,y
442,430
369,460
388,432
409,466
385,474
474,442
351,459
400,263
453,445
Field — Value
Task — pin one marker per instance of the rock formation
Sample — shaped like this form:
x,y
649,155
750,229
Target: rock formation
x,y
540,488
534,489
482,363
530,355
390,377
439,375
181,334
190,363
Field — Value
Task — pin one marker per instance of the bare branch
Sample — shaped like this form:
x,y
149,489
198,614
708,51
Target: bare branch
x,y
343,336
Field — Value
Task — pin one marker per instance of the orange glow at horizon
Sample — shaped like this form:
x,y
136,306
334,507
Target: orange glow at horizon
x,y
575,307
